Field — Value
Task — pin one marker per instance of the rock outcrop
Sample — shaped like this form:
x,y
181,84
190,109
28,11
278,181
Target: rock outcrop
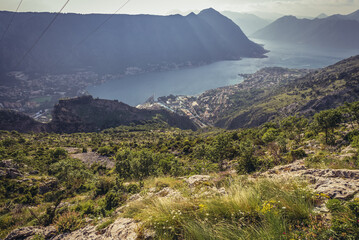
x,y
86,114
336,183
27,233
121,229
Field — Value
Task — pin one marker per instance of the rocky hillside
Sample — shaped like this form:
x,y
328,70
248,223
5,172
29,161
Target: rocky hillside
x,y
85,114
10,120
283,180
271,93
125,41
324,89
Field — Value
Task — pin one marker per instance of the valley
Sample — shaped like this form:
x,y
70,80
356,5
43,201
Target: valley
x,y
179,127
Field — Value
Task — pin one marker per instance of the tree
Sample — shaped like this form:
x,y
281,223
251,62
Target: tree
x,y
270,135
247,162
327,120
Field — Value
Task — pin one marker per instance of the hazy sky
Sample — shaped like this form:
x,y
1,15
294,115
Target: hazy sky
x,y
285,7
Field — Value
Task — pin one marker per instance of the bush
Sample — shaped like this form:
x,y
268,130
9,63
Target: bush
x,y
105,151
270,135
68,222
297,154
133,188
112,200
58,153
105,224
334,205
103,186
247,162
85,208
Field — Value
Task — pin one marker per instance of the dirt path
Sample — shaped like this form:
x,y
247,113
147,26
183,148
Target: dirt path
x,y
89,158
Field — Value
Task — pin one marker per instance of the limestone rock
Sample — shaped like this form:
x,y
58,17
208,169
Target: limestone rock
x,y
26,233
336,183
196,179
121,229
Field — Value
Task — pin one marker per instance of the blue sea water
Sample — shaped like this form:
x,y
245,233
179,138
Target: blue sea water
x,y
134,90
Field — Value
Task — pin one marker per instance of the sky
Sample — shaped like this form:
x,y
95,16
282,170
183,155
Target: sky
x,y
270,8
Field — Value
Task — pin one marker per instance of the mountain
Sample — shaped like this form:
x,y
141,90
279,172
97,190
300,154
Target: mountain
x,y
351,16
332,32
143,41
85,114
249,23
270,94
319,90
354,15
322,15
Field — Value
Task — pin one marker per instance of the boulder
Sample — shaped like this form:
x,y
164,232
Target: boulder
x,y
336,183
48,186
196,179
26,233
121,229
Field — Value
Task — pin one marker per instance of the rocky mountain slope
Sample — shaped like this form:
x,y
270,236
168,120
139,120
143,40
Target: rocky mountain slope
x,y
133,183
85,114
336,31
324,89
269,94
142,41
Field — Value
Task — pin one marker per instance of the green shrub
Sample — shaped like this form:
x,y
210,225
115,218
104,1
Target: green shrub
x,y
58,153
270,135
68,222
38,237
297,154
103,186
133,188
112,200
105,151
247,162
86,208
335,205
105,224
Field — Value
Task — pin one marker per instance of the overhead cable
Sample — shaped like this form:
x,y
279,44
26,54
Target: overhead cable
x,y
43,33
11,20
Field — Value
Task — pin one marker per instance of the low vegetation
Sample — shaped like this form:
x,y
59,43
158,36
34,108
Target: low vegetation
x,y
42,183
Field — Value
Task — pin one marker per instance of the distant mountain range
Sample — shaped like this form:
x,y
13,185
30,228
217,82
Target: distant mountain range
x,y
337,31
322,15
249,23
142,41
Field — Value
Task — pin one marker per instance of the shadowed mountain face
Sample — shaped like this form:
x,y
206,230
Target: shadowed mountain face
x,y
85,114
143,41
337,31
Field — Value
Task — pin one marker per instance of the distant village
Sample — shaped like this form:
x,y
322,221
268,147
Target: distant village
x,y
205,108
37,94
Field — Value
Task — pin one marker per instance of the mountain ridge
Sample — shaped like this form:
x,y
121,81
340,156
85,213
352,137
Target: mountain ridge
x,y
86,114
144,41
339,31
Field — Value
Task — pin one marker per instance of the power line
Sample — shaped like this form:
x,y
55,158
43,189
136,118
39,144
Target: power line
x,y
11,20
93,31
43,33
103,23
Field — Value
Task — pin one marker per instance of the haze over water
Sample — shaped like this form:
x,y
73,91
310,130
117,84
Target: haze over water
x,y
135,90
